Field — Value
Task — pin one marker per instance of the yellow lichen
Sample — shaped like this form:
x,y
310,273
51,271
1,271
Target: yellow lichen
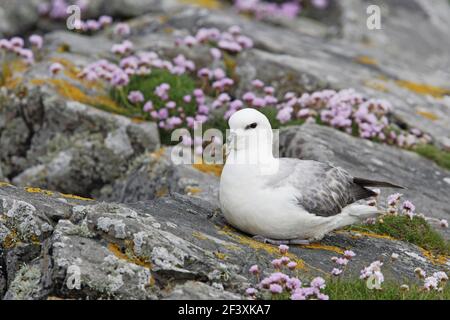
x,y
220,255
324,247
423,89
366,60
71,196
38,190
210,4
215,169
163,191
72,92
192,190
437,259
5,184
199,235
256,245
115,249
376,85
10,240
428,115
369,235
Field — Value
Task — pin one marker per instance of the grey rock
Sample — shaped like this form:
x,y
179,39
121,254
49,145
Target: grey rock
x,y
199,291
173,247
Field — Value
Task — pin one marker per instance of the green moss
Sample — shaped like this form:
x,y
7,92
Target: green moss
x,y
357,290
429,151
180,85
417,231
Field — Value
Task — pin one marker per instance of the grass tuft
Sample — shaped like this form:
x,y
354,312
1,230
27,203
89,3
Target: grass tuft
x,y
432,152
339,289
416,231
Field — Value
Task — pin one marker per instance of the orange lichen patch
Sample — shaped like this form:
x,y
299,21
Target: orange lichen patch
x,y
210,4
220,255
423,89
38,190
368,234
71,196
10,240
162,192
199,235
376,85
366,60
435,259
158,153
72,71
72,92
193,190
256,245
115,249
428,115
5,184
323,247
215,169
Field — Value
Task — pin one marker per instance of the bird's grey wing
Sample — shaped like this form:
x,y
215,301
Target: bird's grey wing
x,y
321,189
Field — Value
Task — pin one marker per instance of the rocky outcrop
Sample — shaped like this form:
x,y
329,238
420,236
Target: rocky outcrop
x,y
55,245
65,145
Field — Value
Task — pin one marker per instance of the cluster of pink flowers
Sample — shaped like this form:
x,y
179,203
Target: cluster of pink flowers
x,y
345,110
92,25
262,9
105,70
16,47
232,40
407,208
279,282
57,9
435,282
373,271
342,262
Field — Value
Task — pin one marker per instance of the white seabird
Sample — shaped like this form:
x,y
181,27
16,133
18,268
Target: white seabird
x,y
286,200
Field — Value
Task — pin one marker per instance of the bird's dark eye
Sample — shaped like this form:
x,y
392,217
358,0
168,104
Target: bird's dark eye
x,y
251,126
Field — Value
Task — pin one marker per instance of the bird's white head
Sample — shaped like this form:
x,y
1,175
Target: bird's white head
x,y
250,131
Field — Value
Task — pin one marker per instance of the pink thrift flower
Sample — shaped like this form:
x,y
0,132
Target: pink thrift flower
x,y
148,106
444,223
349,254
277,263
122,29
36,41
318,283
215,53
135,96
56,67
251,291
283,248
275,288
336,271
292,265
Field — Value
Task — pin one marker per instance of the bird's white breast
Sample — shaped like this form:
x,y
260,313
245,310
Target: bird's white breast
x,y
251,207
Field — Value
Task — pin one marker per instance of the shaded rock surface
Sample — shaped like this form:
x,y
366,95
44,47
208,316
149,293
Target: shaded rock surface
x,y
173,247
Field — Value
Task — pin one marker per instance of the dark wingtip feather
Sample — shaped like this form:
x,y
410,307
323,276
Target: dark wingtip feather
x,y
374,183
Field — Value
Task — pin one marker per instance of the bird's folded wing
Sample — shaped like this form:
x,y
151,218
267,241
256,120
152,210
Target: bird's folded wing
x,y
321,189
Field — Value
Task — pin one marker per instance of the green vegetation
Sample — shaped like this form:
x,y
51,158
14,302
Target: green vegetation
x,y
432,152
340,289
416,231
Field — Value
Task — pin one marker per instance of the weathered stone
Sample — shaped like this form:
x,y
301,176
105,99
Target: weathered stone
x,y
175,247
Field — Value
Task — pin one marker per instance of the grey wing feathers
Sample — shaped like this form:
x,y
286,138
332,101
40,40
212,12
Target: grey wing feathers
x,y
324,190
